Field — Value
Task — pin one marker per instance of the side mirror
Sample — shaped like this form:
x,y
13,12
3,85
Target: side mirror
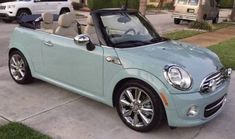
x,y
85,40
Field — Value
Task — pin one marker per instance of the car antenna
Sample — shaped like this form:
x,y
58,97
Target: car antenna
x,y
125,7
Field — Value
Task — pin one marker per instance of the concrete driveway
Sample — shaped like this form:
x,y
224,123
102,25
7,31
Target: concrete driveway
x,y
64,115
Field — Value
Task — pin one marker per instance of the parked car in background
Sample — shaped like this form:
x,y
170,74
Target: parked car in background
x,y
188,10
120,60
9,11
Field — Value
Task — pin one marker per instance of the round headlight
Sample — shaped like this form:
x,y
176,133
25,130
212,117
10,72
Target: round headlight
x,y
178,77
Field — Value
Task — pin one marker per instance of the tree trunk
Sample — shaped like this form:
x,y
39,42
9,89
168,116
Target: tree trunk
x,y
143,6
200,16
160,5
233,12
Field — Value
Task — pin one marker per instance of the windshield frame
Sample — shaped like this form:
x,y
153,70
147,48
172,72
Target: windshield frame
x,y
143,20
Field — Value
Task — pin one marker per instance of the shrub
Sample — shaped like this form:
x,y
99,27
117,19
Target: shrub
x,y
76,5
168,6
201,25
226,3
99,4
151,7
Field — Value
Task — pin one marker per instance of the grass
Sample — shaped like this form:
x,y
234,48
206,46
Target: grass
x,y
221,25
226,52
181,34
19,131
177,35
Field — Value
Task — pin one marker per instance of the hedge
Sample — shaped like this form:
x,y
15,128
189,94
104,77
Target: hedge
x,y
99,4
226,3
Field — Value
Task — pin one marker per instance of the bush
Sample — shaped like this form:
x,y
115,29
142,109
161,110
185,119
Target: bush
x,y
151,7
201,25
168,6
99,4
226,3
77,6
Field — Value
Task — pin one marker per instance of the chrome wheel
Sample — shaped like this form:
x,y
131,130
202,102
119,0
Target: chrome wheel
x,y
17,67
136,107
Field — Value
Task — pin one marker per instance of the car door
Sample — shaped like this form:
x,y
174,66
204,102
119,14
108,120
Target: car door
x,y
37,6
73,65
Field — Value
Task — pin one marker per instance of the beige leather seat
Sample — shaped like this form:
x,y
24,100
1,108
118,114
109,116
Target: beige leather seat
x,y
74,18
65,27
47,23
90,30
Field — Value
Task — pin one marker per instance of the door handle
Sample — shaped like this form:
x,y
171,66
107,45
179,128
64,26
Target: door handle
x,y
48,43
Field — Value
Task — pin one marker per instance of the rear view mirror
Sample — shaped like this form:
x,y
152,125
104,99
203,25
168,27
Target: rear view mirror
x,y
84,39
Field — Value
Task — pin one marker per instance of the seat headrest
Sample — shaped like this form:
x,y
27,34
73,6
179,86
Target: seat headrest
x,y
47,17
65,20
73,15
90,21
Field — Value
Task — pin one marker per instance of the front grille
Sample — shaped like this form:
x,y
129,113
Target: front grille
x,y
219,78
2,7
212,108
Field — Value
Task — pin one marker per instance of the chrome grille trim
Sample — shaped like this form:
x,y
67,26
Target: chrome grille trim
x,y
218,77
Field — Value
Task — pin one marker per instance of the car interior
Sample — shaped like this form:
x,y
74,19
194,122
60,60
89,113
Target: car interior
x,y
67,26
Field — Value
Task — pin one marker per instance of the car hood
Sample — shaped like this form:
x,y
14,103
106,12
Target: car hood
x,y
12,3
198,62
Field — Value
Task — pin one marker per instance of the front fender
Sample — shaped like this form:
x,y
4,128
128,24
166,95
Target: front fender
x,y
139,74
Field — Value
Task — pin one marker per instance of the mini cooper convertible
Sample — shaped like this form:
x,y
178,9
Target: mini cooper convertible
x,y
118,58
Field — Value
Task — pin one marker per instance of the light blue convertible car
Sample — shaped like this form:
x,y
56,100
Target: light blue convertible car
x,y
119,59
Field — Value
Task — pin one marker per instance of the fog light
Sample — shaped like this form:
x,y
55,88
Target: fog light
x,y
229,71
193,111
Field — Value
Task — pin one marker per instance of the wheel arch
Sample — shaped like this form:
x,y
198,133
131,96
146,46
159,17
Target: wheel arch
x,y
24,8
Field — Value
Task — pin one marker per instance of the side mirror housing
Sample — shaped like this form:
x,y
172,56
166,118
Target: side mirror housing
x,y
84,39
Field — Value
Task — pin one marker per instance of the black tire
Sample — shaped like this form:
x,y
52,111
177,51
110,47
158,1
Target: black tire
x,y
64,10
27,79
215,20
23,12
177,21
7,20
158,108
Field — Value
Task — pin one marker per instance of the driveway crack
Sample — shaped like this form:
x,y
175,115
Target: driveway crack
x,y
49,109
198,132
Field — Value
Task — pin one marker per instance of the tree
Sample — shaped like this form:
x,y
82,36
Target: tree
x,y
233,12
143,6
160,4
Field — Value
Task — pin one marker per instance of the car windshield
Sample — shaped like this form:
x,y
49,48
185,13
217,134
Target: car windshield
x,y
128,30
189,2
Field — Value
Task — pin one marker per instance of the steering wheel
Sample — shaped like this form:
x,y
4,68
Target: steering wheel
x,y
130,30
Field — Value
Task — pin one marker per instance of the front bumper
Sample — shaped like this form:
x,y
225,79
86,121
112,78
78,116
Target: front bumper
x,y
177,115
189,16
7,14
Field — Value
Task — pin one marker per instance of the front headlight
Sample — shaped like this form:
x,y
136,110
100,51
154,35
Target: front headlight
x,y
178,77
11,6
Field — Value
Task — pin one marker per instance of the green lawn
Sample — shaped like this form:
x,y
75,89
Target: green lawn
x,y
226,52
181,34
19,131
221,25
177,35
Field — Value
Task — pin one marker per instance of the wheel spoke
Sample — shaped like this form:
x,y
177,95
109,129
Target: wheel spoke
x,y
138,96
125,102
130,96
144,118
13,66
128,113
21,72
135,120
146,101
147,110
14,60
